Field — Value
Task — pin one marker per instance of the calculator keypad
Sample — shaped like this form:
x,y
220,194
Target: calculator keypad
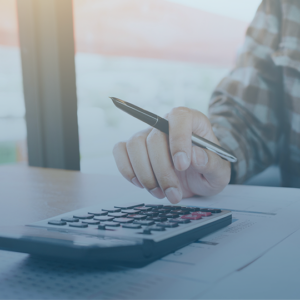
x,y
137,218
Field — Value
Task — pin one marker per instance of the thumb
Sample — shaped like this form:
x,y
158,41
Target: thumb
x,y
215,169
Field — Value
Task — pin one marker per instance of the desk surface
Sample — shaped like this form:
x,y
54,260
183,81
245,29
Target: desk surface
x,y
31,194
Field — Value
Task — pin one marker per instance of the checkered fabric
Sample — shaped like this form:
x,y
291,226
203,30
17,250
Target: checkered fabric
x,y
255,110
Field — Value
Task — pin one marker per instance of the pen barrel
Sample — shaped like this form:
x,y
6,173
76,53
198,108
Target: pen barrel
x,y
162,125
203,143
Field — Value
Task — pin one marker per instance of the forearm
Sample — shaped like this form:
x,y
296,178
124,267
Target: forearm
x,y
250,137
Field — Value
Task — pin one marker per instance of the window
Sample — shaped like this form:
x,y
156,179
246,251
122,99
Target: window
x,y
12,108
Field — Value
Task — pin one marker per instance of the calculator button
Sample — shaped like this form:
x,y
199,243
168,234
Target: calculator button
x,y
156,228
84,216
144,208
157,219
173,216
144,222
132,226
78,225
70,219
163,210
98,213
193,208
213,211
180,221
57,222
123,220
129,205
117,215
104,218
101,226
137,217
112,210
162,215
186,209
167,224
150,214
202,214
154,205
172,207
146,231
112,224
180,212
130,211
91,222
191,217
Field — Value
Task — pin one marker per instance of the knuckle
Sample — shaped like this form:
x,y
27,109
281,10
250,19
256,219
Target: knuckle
x,y
153,137
205,118
136,140
179,140
166,180
148,182
200,115
180,110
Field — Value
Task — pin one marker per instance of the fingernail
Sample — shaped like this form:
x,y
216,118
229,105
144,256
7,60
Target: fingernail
x,y
157,193
181,161
200,157
173,195
136,182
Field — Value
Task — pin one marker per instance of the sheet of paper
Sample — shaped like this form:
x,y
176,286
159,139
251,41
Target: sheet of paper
x,y
262,218
275,275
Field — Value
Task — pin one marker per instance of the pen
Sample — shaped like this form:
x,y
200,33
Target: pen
x,y
163,125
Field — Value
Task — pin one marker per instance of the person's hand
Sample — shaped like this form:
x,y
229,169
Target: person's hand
x,y
169,165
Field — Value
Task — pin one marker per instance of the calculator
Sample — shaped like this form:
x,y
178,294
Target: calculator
x,y
128,234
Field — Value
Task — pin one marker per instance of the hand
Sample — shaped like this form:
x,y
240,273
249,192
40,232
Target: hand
x,y
169,165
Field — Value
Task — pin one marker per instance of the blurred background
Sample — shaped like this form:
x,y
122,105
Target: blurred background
x,y
157,54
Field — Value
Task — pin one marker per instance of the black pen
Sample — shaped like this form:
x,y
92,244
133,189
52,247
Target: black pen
x,y
163,125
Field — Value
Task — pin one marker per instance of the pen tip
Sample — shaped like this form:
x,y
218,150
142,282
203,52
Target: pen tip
x,y
117,100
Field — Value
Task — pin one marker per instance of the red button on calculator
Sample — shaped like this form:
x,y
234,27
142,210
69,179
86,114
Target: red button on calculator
x,y
191,217
202,214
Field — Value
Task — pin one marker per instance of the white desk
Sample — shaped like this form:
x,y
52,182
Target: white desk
x,y
255,257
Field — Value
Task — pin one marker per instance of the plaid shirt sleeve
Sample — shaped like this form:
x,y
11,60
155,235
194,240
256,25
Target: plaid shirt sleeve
x,y
244,108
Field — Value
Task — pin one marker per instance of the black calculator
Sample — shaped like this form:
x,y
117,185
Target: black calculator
x,y
126,234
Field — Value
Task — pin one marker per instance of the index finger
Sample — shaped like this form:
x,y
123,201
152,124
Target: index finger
x,y
180,134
